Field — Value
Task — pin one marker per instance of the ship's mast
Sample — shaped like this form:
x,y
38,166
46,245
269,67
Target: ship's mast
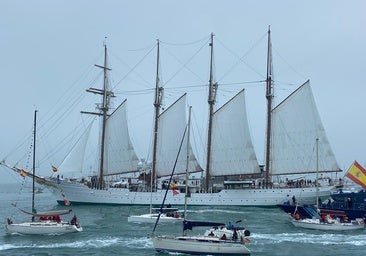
x,y
317,173
269,96
187,166
157,105
34,161
211,102
104,108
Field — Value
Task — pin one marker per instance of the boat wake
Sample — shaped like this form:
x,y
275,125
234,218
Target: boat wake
x,y
306,238
92,243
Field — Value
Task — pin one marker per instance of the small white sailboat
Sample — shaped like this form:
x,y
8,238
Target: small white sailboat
x,y
209,243
219,240
42,223
328,224
325,221
48,223
199,245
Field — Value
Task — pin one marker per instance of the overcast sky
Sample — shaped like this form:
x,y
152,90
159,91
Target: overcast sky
x,y
48,49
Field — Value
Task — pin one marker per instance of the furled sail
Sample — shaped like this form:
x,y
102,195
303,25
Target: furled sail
x,y
72,165
119,154
232,151
296,125
172,123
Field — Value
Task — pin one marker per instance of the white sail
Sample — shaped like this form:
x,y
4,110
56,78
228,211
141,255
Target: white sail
x,y
296,125
72,165
172,124
232,151
119,154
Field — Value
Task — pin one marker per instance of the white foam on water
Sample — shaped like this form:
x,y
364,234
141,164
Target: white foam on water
x,y
139,242
133,242
92,243
5,247
309,238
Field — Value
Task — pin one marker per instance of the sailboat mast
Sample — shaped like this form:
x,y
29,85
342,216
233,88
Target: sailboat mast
x,y
34,160
187,164
211,102
157,104
317,173
269,96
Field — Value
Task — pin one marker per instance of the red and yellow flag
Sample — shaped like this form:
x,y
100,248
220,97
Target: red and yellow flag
x,y
174,188
357,174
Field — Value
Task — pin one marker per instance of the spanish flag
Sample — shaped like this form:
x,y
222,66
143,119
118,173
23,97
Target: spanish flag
x,y
174,188
23,173
357,174
54,168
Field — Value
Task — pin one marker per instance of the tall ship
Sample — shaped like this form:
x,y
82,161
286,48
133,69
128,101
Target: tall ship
x,y
231,174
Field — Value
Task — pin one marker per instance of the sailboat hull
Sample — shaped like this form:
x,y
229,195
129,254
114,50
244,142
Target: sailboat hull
x,y
78,193
151,218
198,246
42,228
336,226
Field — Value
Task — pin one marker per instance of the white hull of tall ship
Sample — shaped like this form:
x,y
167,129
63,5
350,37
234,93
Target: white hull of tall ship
x,y
151,218
78,193
328,226
42,228
199,245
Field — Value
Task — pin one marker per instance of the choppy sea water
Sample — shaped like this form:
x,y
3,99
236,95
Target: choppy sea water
x,y
107,232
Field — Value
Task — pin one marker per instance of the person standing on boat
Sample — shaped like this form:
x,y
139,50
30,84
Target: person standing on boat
x,y
329,203
319,202
235,235
230,226
74,220
349,202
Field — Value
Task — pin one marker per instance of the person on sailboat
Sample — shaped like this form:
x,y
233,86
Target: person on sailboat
x,y
329,203
319,202
324,218
230,226
57,218
74,220
235,235
293,200
349,202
